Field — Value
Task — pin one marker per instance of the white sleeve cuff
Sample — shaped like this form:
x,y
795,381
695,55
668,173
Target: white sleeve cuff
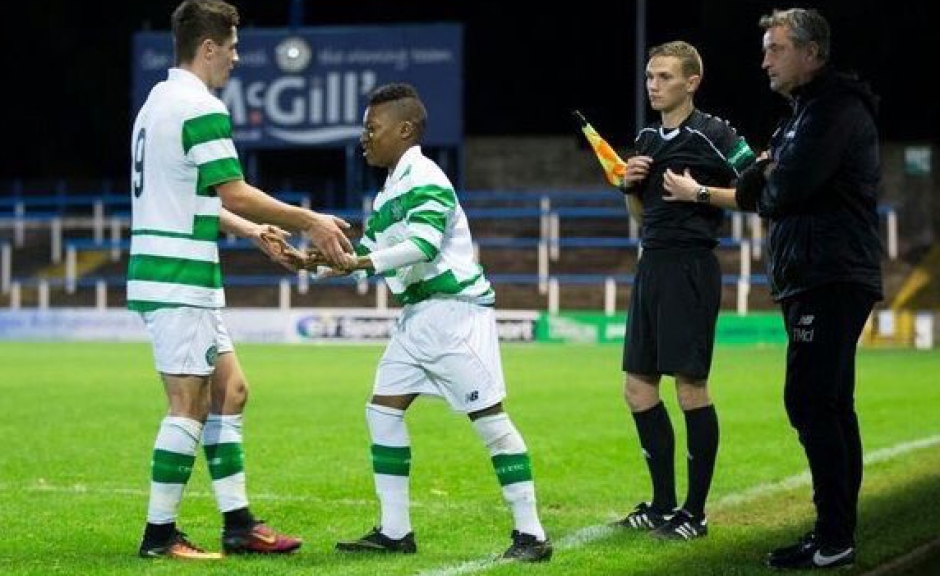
x,y
403,254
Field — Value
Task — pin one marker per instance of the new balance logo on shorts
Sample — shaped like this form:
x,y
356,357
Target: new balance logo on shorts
x,y
472,396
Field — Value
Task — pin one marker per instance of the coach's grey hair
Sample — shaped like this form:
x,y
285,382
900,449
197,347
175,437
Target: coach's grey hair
x,y
804,26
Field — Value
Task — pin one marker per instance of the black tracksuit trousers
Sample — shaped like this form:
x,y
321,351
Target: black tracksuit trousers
x,y
823,327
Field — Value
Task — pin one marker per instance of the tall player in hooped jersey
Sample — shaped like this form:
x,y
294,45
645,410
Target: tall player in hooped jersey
x,y
445,342
677,294
187,185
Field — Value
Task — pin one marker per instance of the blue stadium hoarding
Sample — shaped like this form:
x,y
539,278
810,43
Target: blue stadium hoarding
x,y
308,86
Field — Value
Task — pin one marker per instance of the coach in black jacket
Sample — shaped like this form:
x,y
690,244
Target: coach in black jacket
x,y
819,190
817,186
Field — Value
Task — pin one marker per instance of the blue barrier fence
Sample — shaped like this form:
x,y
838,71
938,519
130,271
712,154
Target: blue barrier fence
x,y
546,207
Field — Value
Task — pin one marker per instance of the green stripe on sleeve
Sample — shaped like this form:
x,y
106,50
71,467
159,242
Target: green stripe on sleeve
x,y
430,252
217,172
423,194
400,208
206,128
436,220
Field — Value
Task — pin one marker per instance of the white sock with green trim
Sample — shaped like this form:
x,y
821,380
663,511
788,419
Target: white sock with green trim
x,y
391,464
513,469
174,453
222,441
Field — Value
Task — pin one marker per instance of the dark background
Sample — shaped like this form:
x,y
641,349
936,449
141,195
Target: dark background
x,y
66,94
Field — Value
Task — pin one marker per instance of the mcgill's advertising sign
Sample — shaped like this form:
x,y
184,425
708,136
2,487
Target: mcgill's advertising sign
x,y
309,86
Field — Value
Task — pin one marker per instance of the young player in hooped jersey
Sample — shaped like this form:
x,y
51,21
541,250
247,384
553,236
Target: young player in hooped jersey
x,y
675,299
187,185
445,342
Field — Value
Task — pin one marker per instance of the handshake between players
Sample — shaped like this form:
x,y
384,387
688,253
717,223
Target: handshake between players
x,y
273,242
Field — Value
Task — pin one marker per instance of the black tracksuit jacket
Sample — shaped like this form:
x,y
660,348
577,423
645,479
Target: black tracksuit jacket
x,y
821,195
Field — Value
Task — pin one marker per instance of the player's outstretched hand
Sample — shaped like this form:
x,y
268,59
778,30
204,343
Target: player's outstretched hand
x,y
273,241
323,271
330,240
313,259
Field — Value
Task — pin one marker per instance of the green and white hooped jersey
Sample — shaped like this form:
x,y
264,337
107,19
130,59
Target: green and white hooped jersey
x,y
418,204
181,149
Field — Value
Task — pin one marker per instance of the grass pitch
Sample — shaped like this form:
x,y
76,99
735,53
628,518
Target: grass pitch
x,y
78,423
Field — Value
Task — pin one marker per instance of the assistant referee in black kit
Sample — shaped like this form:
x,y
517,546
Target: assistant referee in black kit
x,y
677,293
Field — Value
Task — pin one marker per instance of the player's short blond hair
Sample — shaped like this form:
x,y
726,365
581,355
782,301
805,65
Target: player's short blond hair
x,y
688,56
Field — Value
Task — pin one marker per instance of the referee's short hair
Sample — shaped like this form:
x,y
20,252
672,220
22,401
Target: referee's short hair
x,y
685,52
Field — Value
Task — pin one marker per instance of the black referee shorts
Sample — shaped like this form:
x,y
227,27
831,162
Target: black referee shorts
x,y
672,315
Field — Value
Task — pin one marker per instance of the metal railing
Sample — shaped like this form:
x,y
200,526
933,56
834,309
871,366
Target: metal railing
x,y
109,218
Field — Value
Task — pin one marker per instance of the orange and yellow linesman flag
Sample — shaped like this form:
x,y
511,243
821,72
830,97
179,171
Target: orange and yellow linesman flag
x,y
615,168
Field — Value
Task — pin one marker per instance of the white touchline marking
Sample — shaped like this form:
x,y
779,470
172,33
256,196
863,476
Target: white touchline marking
x,y
901,561
590,534
576,539
804,478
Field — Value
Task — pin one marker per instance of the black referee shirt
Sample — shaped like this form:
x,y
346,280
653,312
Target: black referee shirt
x,y
715,155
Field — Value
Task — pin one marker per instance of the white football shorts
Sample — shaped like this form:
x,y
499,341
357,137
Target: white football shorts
x,y
447,348
186,341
